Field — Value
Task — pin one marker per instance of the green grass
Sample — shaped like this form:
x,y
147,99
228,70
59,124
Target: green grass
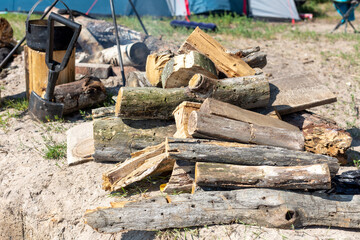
x,y
54,150
13,109
17,21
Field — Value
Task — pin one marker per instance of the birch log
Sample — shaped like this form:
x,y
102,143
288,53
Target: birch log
x,y
234,176
263,207
203,125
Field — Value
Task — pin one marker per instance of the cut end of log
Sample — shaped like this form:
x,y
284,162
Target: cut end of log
x,y
195,81
118,102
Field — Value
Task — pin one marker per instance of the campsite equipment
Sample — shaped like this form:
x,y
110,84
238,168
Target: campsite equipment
x,y
346,9
193,25
118,42
45,109
2,64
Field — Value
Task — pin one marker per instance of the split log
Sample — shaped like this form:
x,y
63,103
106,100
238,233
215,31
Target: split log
x,y
116,138
263,207
179,70
137,79
6,33
256,60
246,92
181,115
150,161
204,125
182,178
155,64
234,176
229,64
221,109
202,150
298,92
245,52
322,136
80,144
80,94
157,103
88,42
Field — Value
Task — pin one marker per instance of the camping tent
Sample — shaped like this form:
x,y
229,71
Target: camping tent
x,y
269,9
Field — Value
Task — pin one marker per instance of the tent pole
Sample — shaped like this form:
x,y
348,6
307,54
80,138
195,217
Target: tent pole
x,y
117,42
138,17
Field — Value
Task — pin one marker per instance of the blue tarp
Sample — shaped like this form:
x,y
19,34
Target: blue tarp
x,y
122,7
204,6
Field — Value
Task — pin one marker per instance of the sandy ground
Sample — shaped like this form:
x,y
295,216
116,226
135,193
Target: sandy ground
x,y
46,199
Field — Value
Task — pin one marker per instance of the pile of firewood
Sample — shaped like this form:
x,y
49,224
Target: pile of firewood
x,y
217,145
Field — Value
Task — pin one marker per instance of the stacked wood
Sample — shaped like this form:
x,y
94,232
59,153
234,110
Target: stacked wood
x,y
234,176
180,155
155,64
115,139
202,125
6,33
80,94
256,59
157,103
179,69
230,64
322,136
263,207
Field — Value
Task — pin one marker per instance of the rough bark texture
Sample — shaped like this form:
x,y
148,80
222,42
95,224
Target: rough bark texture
x,y
103,112
155,64
179,70
298,92
235,176
80,94
231,65
246,92
116,138
181,115
321,135
204,125
201,150
222,109
6,33
150,103
264,207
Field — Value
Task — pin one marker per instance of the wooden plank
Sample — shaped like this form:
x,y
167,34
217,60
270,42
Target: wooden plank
x,y
80,144
298,92
263,207
231,176
231,65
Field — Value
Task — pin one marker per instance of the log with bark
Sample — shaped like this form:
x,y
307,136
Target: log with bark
x,y
246,92
157,103
80,94
179,70
116,138
256,59
230,64
232,176
202,125
155,64
263,207
322,136
222,109
202,150
6,34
